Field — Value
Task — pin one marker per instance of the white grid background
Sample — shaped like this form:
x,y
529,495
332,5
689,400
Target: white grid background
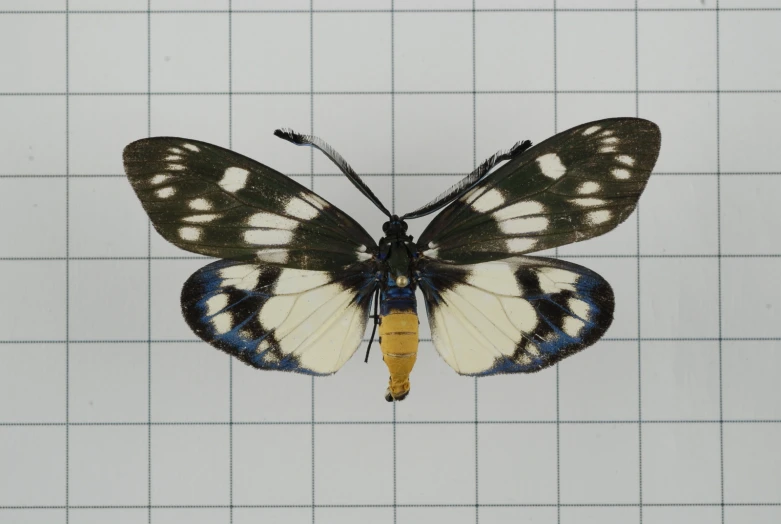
x,y
112,411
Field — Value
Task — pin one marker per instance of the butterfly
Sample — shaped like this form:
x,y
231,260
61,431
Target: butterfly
x,y
294,287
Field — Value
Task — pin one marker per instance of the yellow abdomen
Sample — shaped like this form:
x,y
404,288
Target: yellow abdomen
x,y
399,345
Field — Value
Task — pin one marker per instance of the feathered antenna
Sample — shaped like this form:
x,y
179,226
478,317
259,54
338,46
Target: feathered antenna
x,y
466,183
336,158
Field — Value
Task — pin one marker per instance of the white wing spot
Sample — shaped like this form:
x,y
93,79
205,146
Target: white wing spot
x,y
301,209
173,158
588,202
554,280
598,217
520,209
159,179
626,159
243,277
271,221
519,226
579,308
606,132
588,188
591,130
190,233
274,256
361,249
165,192
520,245
610,140
431,253
216,304
191,147
363,257
175,150
200,204
607,149
572,326
223,322
175,167
234,179
551,166
622,174
200,219
267,236
489,200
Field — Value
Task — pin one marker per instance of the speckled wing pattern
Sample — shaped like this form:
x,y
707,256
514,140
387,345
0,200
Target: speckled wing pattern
x,y
493,311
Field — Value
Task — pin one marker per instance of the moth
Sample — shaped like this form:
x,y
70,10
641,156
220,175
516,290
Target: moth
x,y
297,277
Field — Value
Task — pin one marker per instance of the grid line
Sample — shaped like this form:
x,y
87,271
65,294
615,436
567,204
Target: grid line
x,y
639,316
149,270
67,263
718,269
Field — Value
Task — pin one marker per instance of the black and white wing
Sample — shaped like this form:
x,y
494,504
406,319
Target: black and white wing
x,y
576,185
279,318
516,315
294,294
216,202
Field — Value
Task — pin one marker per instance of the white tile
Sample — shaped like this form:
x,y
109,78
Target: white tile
x,y
108,52
589,448
41,201
108,382
750,298
517,463
751,458
168,279
600,515
35,377
272,464
354,515
190,52
681,464
595,50
352,52
435,464
683,515
190,465
41,64
677,50
679,297
101,288
680,380
108,465
749,215
34,296
748,47
190,383
751,387
255,394
514,51
37,143
340,467
260,63
434,134
433,51
39,452
748,132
